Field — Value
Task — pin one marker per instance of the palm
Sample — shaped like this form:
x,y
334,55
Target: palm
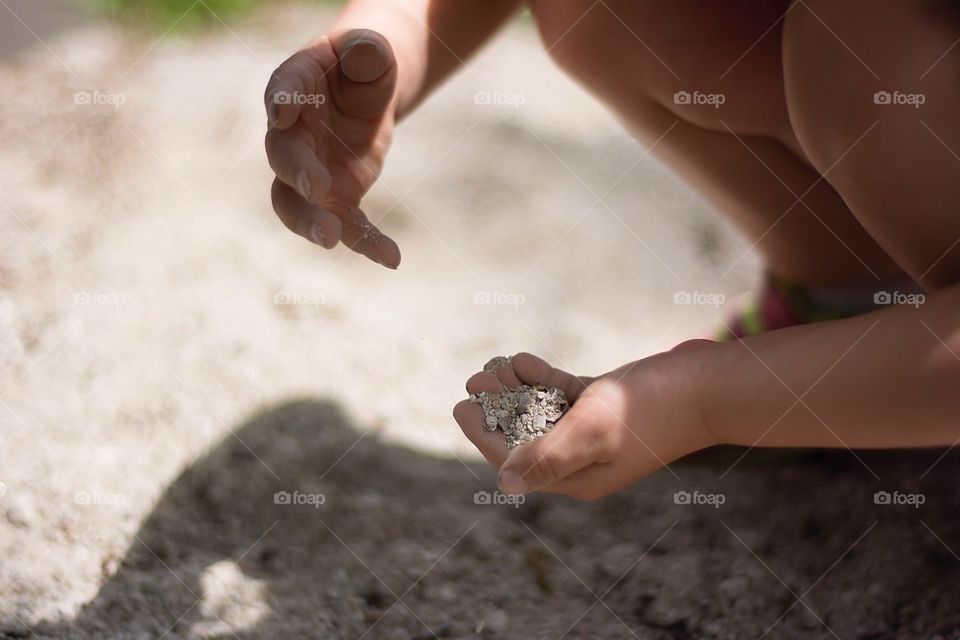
x,y
353,149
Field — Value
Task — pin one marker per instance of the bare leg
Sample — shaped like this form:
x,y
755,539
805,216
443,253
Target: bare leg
x,y
800,225
743,156
902,181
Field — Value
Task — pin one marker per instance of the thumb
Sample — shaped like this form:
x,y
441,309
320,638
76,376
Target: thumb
x,y
569,447
368,73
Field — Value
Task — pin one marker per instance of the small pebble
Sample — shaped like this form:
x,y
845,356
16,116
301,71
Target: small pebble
x,y
497,363
522,414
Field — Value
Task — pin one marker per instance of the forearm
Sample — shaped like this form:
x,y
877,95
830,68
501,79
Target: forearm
x,y
885,379
430,38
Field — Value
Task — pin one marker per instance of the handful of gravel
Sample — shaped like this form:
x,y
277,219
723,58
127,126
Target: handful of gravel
x,y
522,414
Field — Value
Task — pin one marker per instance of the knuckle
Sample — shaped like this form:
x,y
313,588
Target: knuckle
x,y
279,78
606,386
546,469
271,143
282,208
599,438
276,197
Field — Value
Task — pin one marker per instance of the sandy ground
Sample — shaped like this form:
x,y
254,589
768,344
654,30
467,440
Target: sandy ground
x,y
171,358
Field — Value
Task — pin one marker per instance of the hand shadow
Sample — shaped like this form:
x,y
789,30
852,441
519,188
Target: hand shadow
x,y
299,525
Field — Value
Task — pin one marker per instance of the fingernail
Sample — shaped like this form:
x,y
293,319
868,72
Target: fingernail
x,y
383,263
511,482
316,234
366,66
361,43
303,185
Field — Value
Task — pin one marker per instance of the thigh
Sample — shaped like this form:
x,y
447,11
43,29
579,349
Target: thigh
x,y
637,55
873,91
683,55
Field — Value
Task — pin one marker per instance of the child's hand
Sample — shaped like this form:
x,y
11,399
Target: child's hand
x,y
330,114
621,426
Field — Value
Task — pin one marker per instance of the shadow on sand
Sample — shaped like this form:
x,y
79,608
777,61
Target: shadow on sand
x,y
220,557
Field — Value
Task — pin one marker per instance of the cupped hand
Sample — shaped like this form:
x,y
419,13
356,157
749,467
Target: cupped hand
x,y
621,426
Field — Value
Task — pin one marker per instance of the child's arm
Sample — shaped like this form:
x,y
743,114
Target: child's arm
x,y
885,379
332,105
430,38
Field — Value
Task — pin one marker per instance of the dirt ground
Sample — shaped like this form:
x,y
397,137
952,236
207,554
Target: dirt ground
x,y
212,429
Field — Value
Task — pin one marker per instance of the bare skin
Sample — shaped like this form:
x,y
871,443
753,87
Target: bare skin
x,y
833,188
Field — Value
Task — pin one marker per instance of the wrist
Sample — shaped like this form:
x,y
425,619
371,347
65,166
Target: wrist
x,y
699,371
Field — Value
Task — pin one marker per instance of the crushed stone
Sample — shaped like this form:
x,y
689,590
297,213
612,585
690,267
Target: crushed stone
x,y
498,362
522,414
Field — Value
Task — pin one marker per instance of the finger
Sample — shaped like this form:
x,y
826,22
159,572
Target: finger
x,y
532,370
358,233
605,476
368,77
293,157
592,482
508,377
469,415
574,443
296,76
484,381
693,343
304,219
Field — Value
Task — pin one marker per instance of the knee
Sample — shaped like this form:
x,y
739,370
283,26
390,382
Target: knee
x,y
866,74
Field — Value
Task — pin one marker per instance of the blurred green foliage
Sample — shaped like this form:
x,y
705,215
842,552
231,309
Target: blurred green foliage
x,y
179,14
164,14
